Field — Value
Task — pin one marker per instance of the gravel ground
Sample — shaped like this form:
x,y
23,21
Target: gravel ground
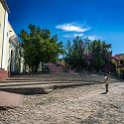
x,y
79,105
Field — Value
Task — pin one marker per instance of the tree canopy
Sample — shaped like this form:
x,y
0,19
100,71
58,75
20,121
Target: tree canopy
x,y
86,54
39,46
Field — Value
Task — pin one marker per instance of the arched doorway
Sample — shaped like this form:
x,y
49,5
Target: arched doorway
x,y
12,54
11,61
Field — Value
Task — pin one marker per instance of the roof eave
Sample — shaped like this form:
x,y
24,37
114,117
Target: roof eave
x,y
5,5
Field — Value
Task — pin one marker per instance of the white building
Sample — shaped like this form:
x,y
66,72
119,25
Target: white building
x,y
8,43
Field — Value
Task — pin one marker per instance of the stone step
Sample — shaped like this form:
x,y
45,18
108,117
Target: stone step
x,y
41,88
35,83
53,75
30,84
43,79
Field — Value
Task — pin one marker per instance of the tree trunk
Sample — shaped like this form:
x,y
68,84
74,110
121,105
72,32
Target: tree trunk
x,y
42,66
36,68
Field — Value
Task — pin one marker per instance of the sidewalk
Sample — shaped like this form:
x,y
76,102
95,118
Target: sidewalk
x,y
9,99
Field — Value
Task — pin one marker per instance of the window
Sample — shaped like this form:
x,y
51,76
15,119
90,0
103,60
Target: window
x,y
121,62
7,34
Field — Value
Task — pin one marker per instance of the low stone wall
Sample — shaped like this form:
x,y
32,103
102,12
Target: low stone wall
x,y
54,68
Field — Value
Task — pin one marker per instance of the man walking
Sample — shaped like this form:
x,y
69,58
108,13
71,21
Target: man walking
x,y
106,82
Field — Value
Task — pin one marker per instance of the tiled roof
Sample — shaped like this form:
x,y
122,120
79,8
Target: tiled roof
x,y
118,57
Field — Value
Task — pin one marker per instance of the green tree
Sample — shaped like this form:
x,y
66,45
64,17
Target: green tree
x,y
74,53
39,46
101,54
86,54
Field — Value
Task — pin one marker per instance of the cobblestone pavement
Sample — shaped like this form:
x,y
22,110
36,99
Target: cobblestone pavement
x,y
79,105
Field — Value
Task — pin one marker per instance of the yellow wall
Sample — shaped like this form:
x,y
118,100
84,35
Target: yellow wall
x,y
6,30
8,40
2,13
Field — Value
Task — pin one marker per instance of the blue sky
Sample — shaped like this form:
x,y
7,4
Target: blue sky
x,y
97,19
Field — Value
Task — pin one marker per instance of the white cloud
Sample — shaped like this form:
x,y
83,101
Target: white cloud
x,y
73,35
93,37
80,35
73,27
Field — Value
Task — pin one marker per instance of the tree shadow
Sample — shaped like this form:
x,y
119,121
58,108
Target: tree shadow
x,y
26,91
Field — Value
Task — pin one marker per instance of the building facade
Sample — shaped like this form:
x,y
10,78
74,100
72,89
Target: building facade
x,y
8,43
118,60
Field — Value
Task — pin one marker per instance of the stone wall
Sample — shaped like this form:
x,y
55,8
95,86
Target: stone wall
x,y
55,68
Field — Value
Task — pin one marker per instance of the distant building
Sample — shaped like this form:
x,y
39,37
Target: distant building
x,y
8,43
118,60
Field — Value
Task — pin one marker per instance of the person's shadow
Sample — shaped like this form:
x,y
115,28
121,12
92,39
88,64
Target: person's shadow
x,y
104,93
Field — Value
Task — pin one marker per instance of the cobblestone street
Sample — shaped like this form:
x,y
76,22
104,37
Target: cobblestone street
x,y
79,105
